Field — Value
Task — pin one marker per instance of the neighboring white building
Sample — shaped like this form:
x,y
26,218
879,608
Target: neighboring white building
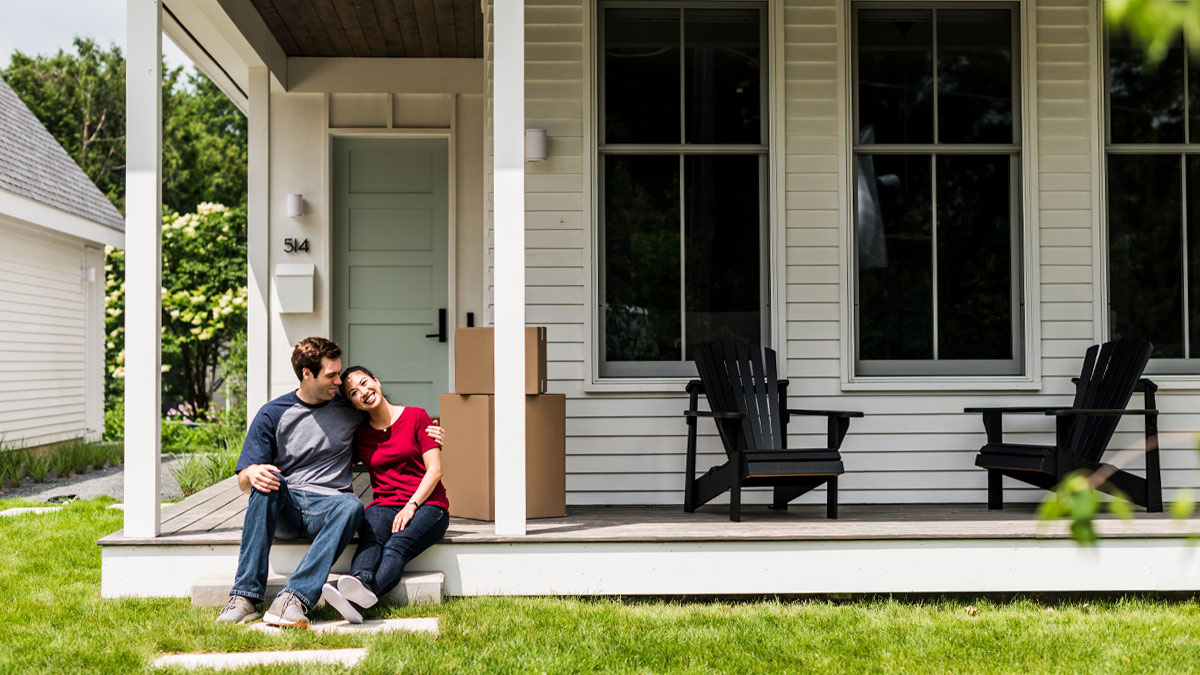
x,y
54,225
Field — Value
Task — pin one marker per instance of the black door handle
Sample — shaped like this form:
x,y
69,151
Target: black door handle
x,y
441,334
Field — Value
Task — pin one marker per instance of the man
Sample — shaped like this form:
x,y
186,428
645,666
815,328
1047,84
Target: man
x,y
295,464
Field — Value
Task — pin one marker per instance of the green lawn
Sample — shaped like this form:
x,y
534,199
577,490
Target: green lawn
x,y
53,620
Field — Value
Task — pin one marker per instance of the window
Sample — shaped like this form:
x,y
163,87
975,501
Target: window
x,y
937,157
682,172
1152,155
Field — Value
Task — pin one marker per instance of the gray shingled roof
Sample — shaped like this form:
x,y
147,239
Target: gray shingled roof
x,y
34,165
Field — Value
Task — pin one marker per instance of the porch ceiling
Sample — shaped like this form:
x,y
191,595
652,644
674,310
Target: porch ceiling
x,y
378,28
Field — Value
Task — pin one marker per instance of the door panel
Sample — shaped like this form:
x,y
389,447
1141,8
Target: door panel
x,y
390,232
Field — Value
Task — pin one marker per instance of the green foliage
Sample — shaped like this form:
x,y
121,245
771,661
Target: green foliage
x,y
80,98
204,302
1076,498
36,464
1156,24
10,467
114,413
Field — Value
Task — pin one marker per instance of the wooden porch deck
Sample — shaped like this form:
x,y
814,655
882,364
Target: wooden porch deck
x,y
214,517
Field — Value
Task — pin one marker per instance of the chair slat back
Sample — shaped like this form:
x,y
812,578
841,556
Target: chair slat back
x,y
744,379
1110,374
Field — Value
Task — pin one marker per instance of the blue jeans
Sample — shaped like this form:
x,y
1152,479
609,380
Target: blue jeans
x,y
329,520
382,554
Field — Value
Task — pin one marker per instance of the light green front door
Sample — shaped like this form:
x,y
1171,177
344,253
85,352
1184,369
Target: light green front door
x,y
390,263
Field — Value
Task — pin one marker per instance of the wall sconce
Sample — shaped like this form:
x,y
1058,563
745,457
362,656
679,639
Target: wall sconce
x,y
535,145
295,205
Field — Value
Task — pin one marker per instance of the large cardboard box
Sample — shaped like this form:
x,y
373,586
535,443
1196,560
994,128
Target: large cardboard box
x,y
468,459
475,362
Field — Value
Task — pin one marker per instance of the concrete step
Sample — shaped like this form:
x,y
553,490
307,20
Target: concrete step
x,y
414,587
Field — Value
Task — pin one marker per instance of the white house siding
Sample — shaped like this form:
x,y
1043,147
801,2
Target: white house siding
x,y
914,445
51,337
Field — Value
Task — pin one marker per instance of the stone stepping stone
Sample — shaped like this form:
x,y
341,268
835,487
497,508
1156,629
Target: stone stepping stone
x,y
29,509
369,626
345,657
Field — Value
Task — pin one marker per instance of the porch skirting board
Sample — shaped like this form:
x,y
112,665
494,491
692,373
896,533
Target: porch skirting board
x,y
722,568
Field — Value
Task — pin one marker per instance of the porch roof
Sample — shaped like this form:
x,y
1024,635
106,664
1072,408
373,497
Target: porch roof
x,y
376,28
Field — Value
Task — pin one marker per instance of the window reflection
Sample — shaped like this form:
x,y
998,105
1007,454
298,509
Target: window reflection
x,y
975,93
723,69
895,74
641,76
1145,100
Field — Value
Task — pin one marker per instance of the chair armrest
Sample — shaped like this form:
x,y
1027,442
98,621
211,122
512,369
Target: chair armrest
x,y
1017,410
718,415
1098,411
825,413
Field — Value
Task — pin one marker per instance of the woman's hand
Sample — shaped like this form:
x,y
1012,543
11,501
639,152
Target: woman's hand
x,y
402,519
436,433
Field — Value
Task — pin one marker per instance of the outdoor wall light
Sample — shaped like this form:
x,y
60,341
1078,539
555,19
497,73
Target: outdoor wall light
x,y
535,145
295,205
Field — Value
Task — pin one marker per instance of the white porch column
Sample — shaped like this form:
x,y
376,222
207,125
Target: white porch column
x,y
143,266
508,132
257,241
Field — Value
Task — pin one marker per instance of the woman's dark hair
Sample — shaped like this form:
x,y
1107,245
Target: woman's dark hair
x,y
355,369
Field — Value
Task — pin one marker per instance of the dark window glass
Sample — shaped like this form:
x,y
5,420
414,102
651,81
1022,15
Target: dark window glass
x,y
1193,253
1144,244
722,61
1145,100
974,242
722,235
1194,100
641,76
975,86
895,76
895,257
641,257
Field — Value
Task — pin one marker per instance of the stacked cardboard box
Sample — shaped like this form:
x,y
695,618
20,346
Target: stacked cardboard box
x,y
469,415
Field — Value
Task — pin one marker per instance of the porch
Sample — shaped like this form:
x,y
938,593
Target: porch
x,y
660,550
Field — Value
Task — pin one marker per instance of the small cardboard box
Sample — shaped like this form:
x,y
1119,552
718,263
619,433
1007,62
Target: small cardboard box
x,y
475,365
468,459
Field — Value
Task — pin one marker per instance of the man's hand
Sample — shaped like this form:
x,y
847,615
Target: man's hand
x,y
261,477
406,514
437,433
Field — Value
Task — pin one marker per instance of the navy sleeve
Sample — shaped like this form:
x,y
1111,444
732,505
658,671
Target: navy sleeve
x,y
259,447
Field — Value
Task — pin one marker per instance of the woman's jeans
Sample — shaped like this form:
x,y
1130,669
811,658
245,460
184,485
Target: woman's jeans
x,y
329,520
382,554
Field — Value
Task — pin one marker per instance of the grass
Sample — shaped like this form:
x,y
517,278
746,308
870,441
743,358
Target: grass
x,y
64,459
56,622
198,470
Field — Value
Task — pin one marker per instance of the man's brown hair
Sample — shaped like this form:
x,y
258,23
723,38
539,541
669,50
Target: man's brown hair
x,y
309,352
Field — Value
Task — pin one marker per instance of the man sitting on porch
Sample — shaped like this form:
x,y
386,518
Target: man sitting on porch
x,y
295,463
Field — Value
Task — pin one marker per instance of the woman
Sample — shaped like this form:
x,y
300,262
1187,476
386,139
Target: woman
x,y
400,448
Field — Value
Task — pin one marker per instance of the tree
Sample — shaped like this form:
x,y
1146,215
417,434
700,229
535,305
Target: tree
x,y
204,302
80,98
1157,24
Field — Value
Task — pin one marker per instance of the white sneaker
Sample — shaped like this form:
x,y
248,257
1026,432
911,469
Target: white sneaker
x,y
340,603
353,589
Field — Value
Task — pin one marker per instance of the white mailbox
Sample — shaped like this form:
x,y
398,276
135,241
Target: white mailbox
x,y
294,287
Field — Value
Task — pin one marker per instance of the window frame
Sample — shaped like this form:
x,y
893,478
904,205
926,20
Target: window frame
x,y
896,371
633,371
1187,367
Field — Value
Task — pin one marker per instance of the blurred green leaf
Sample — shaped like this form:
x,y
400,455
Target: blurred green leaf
x,y
1184,505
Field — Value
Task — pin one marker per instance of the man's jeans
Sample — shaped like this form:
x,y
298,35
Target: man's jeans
x,y
382,554
329,520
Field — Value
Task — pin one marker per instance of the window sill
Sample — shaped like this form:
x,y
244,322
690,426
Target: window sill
x,y
669,385
965,384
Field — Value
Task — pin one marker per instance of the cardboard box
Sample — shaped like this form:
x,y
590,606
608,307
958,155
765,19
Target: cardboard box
x,y
468,460
475,365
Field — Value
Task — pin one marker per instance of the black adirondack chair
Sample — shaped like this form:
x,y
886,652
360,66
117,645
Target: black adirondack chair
x,y
748,402
1111,373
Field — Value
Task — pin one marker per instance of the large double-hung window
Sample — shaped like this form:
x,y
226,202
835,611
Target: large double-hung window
x,y
682,170
937,162
1152,153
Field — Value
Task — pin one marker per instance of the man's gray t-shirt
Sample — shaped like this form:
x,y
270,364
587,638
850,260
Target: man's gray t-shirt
x,y
310,444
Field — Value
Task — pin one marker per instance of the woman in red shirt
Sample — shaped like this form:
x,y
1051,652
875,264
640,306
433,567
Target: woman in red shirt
x,y
409,512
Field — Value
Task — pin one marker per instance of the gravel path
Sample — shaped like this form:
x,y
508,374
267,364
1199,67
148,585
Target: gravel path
x,y
110,481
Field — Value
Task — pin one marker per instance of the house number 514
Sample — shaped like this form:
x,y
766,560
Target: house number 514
x,y
292,245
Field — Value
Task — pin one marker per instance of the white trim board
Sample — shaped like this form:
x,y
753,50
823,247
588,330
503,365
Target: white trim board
x,y
37,214
686,568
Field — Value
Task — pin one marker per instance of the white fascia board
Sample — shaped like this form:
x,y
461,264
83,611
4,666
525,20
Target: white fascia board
x,y
255,34
372,75
37,214
187,41
231,32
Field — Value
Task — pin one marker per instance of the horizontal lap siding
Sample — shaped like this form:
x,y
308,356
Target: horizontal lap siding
x,y
627,448
43,306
